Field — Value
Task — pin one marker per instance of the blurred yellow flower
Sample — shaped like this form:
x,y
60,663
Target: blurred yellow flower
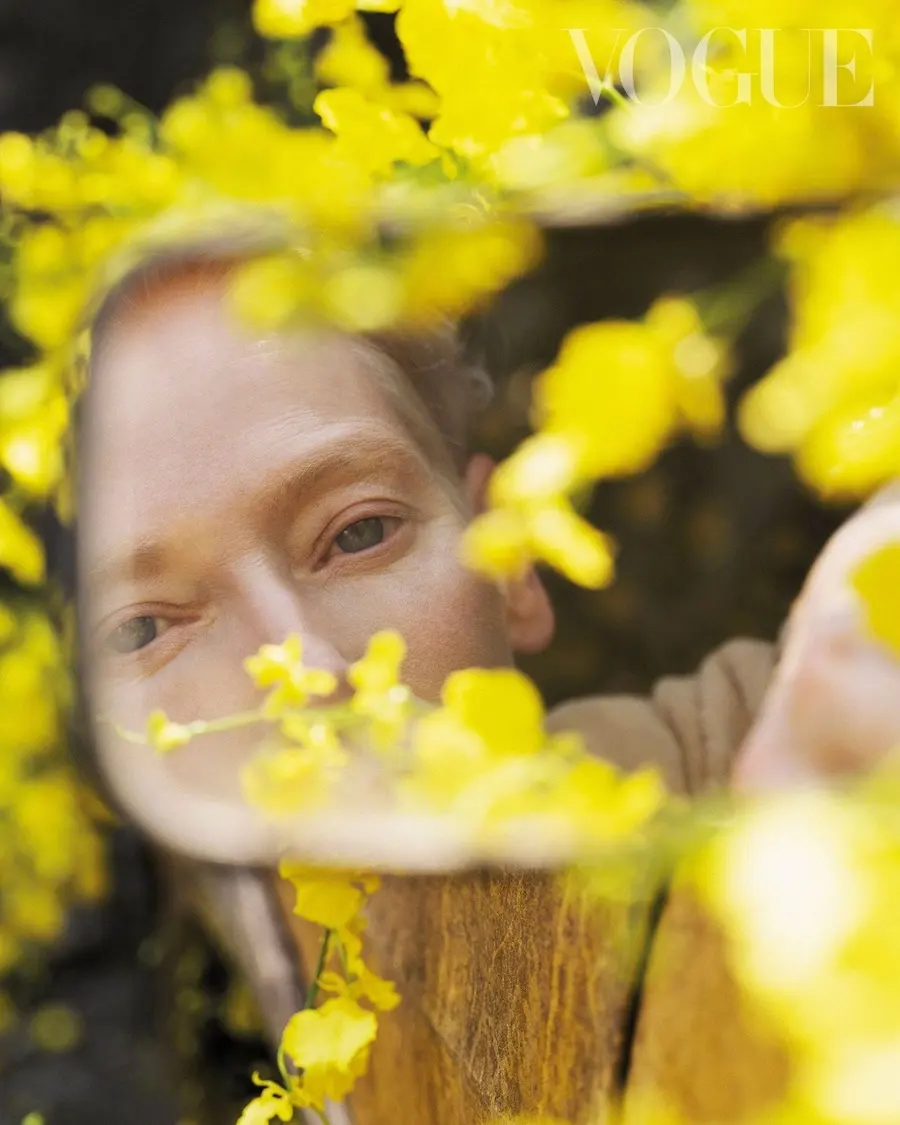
x,y
288,19
328,898
379,695
362,984
451,269
164,735
281,668
274,1101
330,1045
834,400
20,548
371,134
877,581
618,391
502,707
287,780
350,60
268,292
785,880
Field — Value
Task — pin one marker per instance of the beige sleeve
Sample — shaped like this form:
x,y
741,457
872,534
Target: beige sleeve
x,y
690,727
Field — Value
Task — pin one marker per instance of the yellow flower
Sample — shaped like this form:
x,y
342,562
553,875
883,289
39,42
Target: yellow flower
x,y
362,985
17,165
615,395
373,135
849,454
290,19
559,158
287,780
542,468
362,297
487,65
269,292
833,401
477,128
612,390
380,696
604,805
700,364
573,546
329,898
503,542
20,548
784,878
282,666
350,60
448,271
330,1045
274,1101
317,735
498,544
31,447
877,581
448,757
164,735
501,707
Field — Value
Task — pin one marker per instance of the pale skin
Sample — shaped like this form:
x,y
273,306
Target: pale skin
x,y
236,488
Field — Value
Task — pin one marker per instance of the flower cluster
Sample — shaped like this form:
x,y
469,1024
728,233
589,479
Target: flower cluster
x,y
50,853
877,581
617,393
482,758
325,1047
834,400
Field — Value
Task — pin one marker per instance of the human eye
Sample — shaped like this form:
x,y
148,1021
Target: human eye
x,y
365,534
134,634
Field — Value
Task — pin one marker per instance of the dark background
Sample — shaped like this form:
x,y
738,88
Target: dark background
x,y
713,544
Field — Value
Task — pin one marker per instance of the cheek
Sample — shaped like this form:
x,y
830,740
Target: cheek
x,y
448,617
460,624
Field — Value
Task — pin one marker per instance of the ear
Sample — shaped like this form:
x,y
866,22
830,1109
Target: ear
x,y
529,614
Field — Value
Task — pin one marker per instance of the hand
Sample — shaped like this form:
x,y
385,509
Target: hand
x,y
833,707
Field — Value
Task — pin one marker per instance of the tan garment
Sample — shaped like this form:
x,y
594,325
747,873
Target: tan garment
x,y
690,727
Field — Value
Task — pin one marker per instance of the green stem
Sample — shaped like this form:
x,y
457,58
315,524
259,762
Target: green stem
x,y
342,957
313,991
282,1066
311,995
340,715
322,1116
729,307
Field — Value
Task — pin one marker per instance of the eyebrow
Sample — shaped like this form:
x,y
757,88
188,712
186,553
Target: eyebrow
x,y
339,454
143,561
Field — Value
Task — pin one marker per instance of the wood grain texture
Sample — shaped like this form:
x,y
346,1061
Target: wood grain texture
x,y
515,998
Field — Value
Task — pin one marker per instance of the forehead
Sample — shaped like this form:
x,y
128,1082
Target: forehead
x,y
190,409
175,359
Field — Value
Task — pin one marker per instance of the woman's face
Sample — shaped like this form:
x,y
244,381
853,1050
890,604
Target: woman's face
x,y
236,488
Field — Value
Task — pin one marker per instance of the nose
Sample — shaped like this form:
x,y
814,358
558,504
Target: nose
x,y
272,607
